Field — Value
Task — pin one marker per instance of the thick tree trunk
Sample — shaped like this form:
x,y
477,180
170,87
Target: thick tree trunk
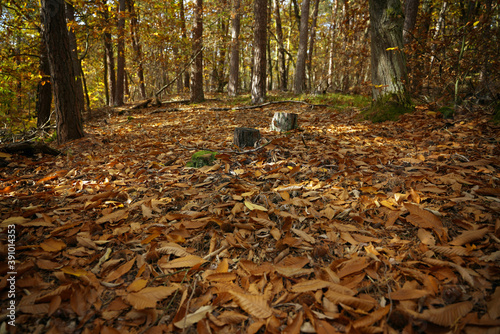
x,y
77,65
389,74
259,54
281,48
68,107
234,63
197,94
44,89
300,70
120,66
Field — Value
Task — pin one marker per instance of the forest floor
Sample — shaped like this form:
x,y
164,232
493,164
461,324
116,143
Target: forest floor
x,y
339,226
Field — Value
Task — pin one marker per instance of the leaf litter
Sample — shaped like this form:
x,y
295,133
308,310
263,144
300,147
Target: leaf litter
x,y
340,226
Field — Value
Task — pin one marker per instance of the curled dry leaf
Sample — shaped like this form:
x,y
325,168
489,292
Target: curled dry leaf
x,y
468,237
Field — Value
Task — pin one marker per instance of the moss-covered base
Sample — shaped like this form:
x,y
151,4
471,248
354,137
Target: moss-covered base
x,y
388,108
201,158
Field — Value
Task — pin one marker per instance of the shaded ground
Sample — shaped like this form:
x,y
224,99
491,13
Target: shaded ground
x,y
340,226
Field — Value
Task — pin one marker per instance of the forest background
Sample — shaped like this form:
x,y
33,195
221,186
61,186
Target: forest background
x,y
128,50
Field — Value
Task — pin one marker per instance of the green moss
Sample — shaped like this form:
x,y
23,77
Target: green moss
x,y
447,112
387,108
496,115
201,158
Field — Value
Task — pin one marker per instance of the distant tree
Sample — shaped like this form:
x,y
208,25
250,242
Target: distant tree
x,y
389,74
77,65
136,46
300,69
44,89
283,74
68,106
197,94
234,62
259,51
120,64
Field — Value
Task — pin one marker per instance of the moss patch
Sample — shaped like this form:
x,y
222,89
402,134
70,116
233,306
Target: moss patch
x,y
387,108
201,158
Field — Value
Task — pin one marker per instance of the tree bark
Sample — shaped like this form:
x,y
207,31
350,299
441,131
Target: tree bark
x,y
77,65
110,59
281,48
300,69
136,46
68,107
311,42
197,94
44,89
184,39
259,55
234,63
120,66
411,10
389,74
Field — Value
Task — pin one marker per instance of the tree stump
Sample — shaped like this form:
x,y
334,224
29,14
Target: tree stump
x,y
244,137
283,121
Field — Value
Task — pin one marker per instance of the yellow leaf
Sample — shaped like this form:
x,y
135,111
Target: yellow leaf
x,y
72,271
252,206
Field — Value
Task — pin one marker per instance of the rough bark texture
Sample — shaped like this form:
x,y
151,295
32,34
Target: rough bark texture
x,y
77,65
136,46
246,137
411,10
388,61
234,63
300,70
44,89
281,48
197,94
68,109
120,66
283,121
110,76
311,42
259,55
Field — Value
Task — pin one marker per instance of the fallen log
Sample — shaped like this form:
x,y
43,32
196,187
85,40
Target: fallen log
x,y
28,148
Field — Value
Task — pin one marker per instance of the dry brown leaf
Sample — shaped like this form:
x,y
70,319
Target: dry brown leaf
x,y
172,248
407,294
306,237
447,316
183,262
295,325
120,271
148,297
113,216
53,245
193,318
468,237
255,305
372,318
357,303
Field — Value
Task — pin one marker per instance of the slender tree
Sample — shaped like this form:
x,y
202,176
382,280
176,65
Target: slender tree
x,y
259,51
389,73
120,65
68,106
411,11
136,46
234,63
44,89
300,69
197,94
283,74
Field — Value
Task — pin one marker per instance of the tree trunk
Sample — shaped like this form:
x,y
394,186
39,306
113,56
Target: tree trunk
x,y
281,48
68,107
136,46
77,65
110,59
300,69
184,39
389,74
234,65
197,94
44,89
259,55
120,66
311,43
411,10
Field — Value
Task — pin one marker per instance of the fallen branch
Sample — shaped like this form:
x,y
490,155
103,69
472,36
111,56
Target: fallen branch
x,y
269,103
28,148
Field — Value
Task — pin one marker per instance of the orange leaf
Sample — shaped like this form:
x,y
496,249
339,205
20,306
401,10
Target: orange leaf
x,y
148,297
255,305
52,245
183,262
120,271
